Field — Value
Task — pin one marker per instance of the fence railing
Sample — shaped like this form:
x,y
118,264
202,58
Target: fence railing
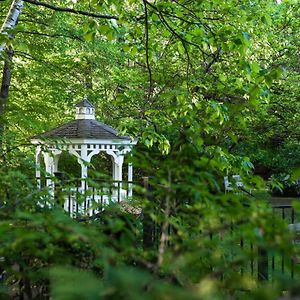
x,y
86,198
263,264
281,264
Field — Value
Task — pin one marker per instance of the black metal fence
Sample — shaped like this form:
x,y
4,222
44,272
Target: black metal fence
x,y
280,264
86,198
263,264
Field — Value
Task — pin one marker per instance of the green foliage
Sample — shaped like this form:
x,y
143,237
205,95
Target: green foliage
x,y
209,88
104,258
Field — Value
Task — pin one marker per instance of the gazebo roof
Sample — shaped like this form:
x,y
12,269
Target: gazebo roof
x,y
84,129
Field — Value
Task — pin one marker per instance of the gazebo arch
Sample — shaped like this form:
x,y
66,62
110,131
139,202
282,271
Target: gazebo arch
x,y
83,137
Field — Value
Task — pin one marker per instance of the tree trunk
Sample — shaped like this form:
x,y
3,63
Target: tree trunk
x,y
9,23
6,79
11,20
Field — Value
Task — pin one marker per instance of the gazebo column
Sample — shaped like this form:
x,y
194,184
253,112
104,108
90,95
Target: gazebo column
x,y
84,185
119,164
55,163
49,166
130,177
113,167
118,160
115,172
38,166
83,161
118,167
84,172
56,155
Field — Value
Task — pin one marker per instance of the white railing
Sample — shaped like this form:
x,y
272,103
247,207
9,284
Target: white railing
x,y
83,197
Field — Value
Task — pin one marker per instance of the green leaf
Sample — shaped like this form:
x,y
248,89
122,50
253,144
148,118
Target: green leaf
x,y
296,174
90,36
255,67
254,91
181,48
126,48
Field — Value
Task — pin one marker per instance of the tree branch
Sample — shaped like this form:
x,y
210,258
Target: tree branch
x,y
51,67
194,16
172,30
70,10
34,21
52,35
147,49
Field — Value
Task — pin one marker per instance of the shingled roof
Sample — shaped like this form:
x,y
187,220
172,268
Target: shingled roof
x,y
84,126
84,129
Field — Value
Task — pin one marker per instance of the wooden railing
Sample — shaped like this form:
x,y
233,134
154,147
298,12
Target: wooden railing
x,y
85,196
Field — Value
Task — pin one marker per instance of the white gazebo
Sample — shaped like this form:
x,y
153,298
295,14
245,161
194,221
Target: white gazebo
x,y
83,137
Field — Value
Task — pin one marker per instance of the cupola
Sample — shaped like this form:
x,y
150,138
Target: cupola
x,y
85,110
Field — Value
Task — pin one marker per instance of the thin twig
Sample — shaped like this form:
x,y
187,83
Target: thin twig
x,y
194,16
171,29
52,35
188,63
71,10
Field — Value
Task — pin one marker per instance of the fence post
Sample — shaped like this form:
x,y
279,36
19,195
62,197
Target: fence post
x,y
262,264
147,221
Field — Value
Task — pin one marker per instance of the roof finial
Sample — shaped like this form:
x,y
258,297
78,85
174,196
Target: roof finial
x,y
85,109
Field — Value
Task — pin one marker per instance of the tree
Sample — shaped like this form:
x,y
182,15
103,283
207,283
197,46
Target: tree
x,y
191,79
271,127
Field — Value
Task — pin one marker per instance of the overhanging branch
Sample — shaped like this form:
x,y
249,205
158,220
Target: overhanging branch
x,y
70,10
55,35
147,50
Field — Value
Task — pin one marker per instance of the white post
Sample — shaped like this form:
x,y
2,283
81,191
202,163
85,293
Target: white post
x,y
119,164
49,164
55,162
113,168
119,174
84,169
130,176
38,166
83,161
118,159
84,186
